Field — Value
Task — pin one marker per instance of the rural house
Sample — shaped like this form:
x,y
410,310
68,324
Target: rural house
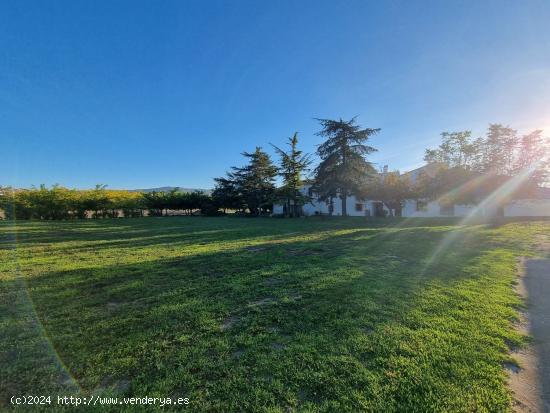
x,y
536,206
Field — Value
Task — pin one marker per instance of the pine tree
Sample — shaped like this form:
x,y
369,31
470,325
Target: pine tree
x,y
343,170
292,165
226,194
256,181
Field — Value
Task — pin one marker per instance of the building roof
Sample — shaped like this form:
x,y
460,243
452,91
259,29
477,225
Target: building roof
x,y
430,169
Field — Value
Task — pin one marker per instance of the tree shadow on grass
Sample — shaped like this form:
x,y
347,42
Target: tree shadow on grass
x,y
115,231
149,231
294,324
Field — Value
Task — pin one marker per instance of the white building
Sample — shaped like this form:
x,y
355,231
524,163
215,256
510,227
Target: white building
x,y
355,207
536,207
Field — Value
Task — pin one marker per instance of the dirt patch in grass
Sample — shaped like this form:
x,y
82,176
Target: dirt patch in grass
x,y
237,354
262,302
272,281
113,306
229,322
325,252
277,346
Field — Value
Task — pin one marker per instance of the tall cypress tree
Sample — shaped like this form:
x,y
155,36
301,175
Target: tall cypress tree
x,y
343,170
292,165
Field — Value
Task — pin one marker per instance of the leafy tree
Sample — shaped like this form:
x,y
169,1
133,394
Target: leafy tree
x,y
154,202
292,166
159,203
172,199
177,201
343,170
130,203
52,204
456,149
58,202
199,201
476,168
15,204
454,185
97,201
255,181
533,153
460,186
392,189
498,150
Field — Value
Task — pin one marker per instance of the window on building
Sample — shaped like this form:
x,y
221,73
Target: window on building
x,y
359,207
447,210
421,206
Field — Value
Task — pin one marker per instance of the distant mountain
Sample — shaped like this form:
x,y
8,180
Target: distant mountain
x,y
169,188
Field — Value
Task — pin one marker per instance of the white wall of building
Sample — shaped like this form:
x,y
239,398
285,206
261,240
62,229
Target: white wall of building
x,y
277,209
528,208
431,209
316,207
518,208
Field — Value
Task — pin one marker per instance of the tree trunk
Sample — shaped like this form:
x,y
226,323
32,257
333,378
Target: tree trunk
x,y
344,199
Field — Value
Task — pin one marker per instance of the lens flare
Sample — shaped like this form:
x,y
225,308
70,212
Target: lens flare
x,y
26,308
491,202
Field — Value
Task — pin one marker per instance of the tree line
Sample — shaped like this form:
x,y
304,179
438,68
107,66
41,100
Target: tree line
x,y
500,152
252,187
469,169
343,170
57,203
462,169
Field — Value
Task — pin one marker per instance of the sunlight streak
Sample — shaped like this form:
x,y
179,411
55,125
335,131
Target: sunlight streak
x,y
492,201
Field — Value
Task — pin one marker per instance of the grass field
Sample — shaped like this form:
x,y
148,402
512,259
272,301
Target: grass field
x,y
267,315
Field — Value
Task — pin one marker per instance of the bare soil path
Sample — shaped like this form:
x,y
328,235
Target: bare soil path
x,y
531,383
537,283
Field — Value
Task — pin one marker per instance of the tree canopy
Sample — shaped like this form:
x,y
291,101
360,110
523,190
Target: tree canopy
x,y
392,189
251,186
59,203
472,169
463,169
500,152
293,164
344,169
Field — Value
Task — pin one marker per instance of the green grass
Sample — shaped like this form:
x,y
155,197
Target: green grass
x,y
263,314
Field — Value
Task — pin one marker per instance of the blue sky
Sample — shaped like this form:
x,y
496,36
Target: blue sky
x,y
142,94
